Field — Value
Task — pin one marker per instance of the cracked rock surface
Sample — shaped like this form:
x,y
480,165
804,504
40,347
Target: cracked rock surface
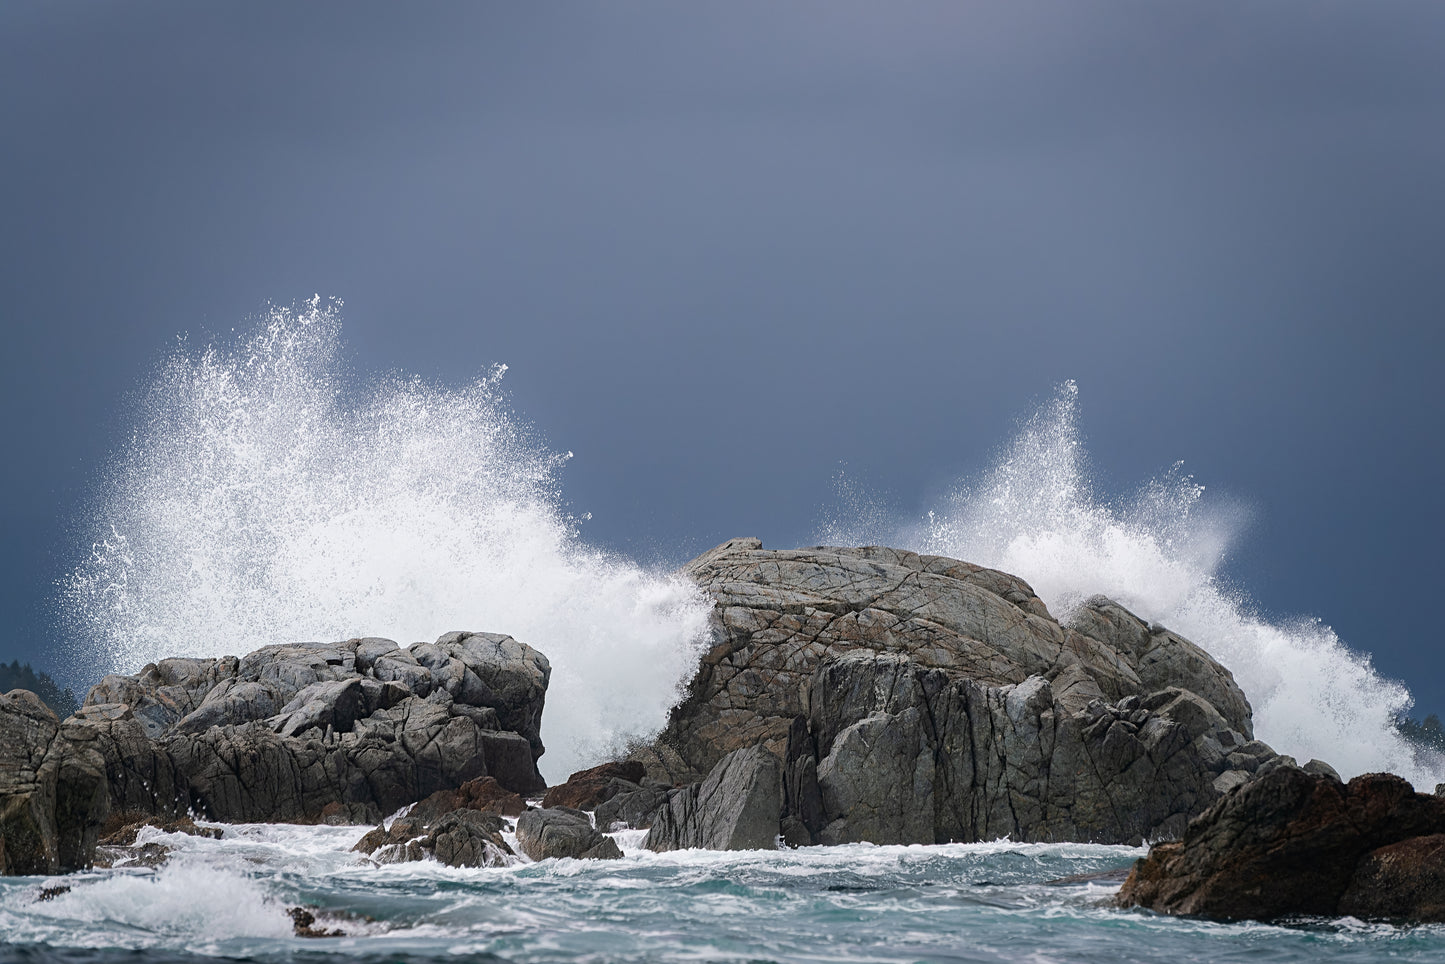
x,y
919,699
338,732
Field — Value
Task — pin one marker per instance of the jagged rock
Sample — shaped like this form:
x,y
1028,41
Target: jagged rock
x,y
736,808
337,732
289,731
1163,660
28,843
631,808
875,771
562,832
1290,842
483,793
586,789
458,838
941,701
54,793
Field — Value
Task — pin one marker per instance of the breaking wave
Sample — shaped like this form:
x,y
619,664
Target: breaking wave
x,y
1159,553
267,495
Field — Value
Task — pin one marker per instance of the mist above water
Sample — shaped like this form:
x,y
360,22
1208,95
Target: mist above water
x,y
270,495
1160,554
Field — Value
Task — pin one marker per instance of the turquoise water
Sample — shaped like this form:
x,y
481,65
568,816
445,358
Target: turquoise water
x,y
227,899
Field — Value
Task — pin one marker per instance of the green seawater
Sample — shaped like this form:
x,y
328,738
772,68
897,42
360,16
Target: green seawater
x,y
227,900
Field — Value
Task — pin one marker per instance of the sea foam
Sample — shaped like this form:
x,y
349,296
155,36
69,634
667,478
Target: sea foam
x,y
267,494
1160,554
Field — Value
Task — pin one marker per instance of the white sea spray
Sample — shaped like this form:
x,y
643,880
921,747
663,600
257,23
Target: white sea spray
x,y
1036,514
268,494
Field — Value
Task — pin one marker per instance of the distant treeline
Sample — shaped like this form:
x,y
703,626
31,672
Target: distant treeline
x,y
18,677
1429,734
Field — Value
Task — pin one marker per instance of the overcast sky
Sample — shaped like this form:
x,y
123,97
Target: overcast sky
x,y
725,247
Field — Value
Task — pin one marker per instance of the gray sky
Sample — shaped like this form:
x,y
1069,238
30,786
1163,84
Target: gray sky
x,y
725,247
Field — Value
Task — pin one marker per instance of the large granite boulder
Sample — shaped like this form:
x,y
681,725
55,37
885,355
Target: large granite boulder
x,y
1297,843
913,698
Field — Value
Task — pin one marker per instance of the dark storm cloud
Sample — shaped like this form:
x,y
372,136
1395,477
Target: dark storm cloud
x,y
726,246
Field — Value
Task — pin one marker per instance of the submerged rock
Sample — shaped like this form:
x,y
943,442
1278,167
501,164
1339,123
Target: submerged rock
x,y
1291,843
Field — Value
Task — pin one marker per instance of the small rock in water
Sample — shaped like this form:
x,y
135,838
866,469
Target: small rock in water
x,y
303,922
460,838
560,832
587,789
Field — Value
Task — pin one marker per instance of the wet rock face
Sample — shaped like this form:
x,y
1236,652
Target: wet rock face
x,y
1292,842
563,832
463,837
915,698
53,787
362,726
28,834
736,808
589,789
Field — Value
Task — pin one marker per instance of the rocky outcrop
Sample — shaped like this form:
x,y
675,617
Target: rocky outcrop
x,y
362,726
347,731
563,832
1295,843
736,808
483,793
914,698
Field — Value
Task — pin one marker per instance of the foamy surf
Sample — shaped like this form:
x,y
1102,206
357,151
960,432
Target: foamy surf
x,y
993,902
1160,554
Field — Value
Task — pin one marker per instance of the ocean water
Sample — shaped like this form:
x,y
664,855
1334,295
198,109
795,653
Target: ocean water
x,y
227,900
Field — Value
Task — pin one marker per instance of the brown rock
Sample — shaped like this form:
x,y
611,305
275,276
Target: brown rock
x,y
483,793
1400,881
586,789
1290,842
